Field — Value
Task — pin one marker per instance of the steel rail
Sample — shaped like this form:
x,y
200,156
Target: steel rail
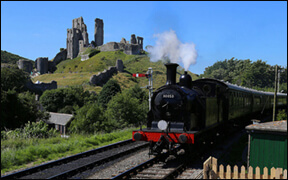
x,y
64,160
175,172
74,171
127,174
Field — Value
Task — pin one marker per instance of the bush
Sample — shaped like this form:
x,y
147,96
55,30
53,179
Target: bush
x,y
31,130
282,115
124,110
66,99
94,52
88,119
110,89
18,109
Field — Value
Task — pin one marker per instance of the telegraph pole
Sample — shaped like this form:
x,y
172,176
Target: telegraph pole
x,y
275,94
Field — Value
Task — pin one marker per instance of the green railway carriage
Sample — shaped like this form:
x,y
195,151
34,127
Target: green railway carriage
x,y
229,102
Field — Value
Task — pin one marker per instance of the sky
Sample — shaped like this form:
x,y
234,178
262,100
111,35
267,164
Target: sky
x,y
219,30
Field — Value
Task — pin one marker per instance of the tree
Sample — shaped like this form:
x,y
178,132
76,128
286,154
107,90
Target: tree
x,y
138,93
88,119
13,78
257,75
18,109
123,110
66,100
110,89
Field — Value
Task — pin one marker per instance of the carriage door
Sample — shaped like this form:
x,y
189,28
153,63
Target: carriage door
x,y
220,104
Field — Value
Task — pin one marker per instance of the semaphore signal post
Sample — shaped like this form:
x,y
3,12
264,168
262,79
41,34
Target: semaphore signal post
x,y
150,83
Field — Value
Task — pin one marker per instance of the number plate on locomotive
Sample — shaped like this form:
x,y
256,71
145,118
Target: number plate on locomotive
x,y
170,96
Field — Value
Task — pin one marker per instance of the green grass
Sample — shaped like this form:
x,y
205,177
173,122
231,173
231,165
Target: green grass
x,y
66,75
18,153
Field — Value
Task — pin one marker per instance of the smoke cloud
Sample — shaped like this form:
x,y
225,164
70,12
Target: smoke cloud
x,y
168,48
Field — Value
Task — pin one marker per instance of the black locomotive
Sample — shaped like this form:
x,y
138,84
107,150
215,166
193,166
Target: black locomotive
x,y
195,112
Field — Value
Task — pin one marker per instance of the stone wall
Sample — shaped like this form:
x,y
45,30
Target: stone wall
x,y
40,88
84,57
134,47
102,77
60,57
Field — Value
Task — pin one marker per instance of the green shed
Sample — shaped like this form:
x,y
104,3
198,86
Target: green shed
x,y
267,145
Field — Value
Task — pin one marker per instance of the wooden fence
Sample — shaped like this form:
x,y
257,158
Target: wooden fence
x,y
210,171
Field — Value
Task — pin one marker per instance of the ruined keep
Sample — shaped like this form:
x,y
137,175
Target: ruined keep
x,y
25,65
77,38
133,39
99,32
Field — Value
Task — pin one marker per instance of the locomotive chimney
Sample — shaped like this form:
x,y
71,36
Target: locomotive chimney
x,y
171,73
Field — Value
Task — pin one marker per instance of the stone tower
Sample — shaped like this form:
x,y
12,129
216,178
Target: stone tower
x,y
26,65
133,39
74,37
41,64
99,32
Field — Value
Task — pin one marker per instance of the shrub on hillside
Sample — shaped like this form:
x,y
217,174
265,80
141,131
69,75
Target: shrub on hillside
x,y
110,89
94,52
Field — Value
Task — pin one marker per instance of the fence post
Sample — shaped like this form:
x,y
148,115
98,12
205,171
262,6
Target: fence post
x,y
265,174
278,173
206,168
258,176
250,172
213,173
285,174
243,173
272,173
235,172
221,171
228,172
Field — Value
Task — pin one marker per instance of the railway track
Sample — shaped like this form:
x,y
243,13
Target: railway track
x,y
157,168
73,165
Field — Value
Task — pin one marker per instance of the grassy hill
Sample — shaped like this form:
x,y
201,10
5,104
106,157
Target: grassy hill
x,y
10,58
77,72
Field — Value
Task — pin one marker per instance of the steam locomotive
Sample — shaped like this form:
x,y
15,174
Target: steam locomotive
x,y
196,112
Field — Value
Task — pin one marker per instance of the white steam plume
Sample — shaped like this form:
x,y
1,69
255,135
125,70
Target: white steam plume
x,y
169,47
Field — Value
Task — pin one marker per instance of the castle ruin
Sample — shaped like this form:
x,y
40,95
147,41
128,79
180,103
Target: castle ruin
x,y
77,38
99,32
25,65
